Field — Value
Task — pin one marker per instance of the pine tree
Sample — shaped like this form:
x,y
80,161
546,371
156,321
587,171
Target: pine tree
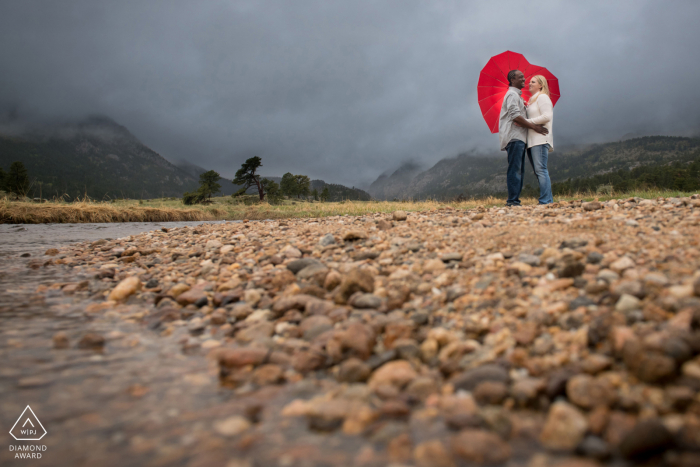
x,y
17,180
303,184
247,177
272,191
314,193
288,185
208,183
325,194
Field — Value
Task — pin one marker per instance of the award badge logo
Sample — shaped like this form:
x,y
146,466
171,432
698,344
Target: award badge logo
x,y
28,427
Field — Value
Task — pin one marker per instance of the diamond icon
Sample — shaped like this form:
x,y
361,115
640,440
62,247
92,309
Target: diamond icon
x,y
28,427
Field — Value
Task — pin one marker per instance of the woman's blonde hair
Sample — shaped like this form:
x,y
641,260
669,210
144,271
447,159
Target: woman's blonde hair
x,y
542,81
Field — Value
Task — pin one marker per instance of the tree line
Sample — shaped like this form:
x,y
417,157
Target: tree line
x,y
16,180
268,190
680,176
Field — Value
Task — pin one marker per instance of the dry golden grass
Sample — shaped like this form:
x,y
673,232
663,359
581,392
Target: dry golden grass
x,y
88,212
170,210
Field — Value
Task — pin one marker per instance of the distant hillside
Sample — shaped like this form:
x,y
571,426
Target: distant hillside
x,y
469,175
392,186
94,156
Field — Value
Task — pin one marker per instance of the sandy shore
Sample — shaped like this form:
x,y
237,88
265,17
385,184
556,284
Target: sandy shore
x,y
559,335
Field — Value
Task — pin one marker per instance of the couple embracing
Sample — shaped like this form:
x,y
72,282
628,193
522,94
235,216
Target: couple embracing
x,y
527,129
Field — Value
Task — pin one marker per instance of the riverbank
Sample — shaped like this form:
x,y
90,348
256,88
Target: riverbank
x,y
549,336
224,208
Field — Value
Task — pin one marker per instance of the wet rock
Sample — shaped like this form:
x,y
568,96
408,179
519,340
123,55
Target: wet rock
x,y
588,392
396,373
647,439
481,447
353,370
526,391
469,380
648,365
595,363
490,392
564,428
366,300
192,296
256,332
432,454
92,341
594,447
60,340
268,374
235,358
299,264
125,288
422,387
232,426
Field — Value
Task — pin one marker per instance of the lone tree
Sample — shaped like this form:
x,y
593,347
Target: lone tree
x,y
247,177
17,180
288,185
325,193
314,193
303,184
208,183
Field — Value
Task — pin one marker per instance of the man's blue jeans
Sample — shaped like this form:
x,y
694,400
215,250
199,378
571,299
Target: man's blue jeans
x,y
538,158
516,169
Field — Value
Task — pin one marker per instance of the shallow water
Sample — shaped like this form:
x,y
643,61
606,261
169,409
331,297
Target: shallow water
x,y
28,238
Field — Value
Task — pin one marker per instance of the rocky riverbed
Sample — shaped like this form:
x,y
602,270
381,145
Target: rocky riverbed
x,y
566,335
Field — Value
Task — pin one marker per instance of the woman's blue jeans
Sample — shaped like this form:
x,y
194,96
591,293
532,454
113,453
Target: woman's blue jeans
x,y
538,159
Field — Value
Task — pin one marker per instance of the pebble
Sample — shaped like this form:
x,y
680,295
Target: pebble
x,y
399,215
232,426
125,288
647,439
565,427
481,447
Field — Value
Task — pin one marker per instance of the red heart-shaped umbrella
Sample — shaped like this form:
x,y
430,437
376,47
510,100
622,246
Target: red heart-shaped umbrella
x,y
493,84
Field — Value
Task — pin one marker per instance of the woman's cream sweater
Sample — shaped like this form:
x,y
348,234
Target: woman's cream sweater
x,y
541,112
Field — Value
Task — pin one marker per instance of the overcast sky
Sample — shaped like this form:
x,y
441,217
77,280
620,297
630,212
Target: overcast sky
x,y
344,90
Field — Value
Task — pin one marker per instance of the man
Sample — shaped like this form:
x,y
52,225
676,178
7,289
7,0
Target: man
x,y
512,134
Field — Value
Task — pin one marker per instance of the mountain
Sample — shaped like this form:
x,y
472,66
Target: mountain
x,y
471,175
392,186
96,156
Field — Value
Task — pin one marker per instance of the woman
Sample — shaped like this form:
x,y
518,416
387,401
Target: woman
x,y
540,111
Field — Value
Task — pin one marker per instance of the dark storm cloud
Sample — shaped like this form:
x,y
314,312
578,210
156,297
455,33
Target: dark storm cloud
x,y
343,90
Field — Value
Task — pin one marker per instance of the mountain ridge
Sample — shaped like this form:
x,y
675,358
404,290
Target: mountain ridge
x,y
472,175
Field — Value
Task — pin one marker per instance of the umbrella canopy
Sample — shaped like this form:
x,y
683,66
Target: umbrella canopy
x,y
493,84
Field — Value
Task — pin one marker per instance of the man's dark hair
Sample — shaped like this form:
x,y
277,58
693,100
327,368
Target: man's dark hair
x,y
511,76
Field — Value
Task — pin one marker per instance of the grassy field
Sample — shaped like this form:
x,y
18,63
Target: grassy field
x,y
164,210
